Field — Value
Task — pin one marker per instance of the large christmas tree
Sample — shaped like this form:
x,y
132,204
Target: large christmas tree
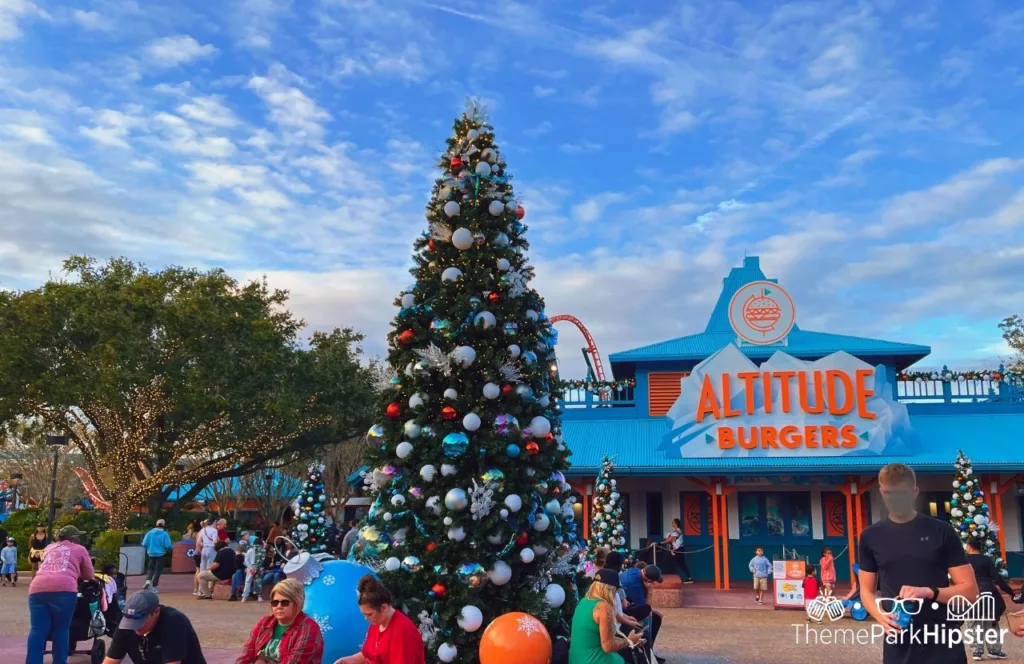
x,y
309,530
471,516
969,512
607,527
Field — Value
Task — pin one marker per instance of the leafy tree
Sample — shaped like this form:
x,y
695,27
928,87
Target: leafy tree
x,y
148,369
23,451
470,502
1012,328
273,489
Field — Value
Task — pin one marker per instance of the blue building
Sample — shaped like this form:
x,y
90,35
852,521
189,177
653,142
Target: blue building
x,y
757,432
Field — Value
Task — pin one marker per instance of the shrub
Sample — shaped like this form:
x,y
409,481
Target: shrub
x,y
106,548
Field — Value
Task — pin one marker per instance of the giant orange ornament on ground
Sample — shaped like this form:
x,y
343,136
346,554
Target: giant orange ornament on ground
x,y
515,637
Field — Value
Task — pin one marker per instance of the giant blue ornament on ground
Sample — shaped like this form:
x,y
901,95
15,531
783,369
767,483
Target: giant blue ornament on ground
x,y
331,602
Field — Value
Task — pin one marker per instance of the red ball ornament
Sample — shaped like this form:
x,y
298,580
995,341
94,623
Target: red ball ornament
x,y
431,245
506,390
406,337
431,546
493,297
439,589
522,538
393,410
456,163
520,212
532,447
448,413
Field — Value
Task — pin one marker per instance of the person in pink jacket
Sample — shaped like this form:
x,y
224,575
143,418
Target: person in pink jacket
x,y
53,593
828,572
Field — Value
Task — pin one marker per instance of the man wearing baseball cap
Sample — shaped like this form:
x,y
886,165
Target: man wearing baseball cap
x,y
635,582
151,633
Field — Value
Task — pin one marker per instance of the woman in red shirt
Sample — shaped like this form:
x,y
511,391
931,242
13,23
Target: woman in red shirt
x,y
392,637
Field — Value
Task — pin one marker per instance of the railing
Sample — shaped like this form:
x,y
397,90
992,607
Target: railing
x,y
952,387
619,396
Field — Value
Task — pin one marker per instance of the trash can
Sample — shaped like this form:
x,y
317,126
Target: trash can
x,y
181,557
133,555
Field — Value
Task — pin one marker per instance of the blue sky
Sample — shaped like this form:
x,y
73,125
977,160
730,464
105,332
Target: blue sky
x,y
872,156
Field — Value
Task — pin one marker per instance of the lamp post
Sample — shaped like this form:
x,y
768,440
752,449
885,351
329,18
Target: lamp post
x,y
15,481
57,442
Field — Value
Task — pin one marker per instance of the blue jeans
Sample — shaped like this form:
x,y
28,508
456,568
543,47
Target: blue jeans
x,y
237,583
50,620
271,578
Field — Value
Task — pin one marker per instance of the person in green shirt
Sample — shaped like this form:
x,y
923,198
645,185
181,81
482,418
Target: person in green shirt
x,y
593,626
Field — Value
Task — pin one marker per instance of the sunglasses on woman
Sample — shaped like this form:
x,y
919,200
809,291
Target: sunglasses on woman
x,y
280,602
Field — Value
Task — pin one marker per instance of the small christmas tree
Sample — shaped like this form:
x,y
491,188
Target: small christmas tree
x,y
969,512
606,525
309,532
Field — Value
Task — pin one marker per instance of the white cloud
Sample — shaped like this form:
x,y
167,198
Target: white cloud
x,y
851,168
590,210
581,147
209,110
92,20
112,128
290,107
30,134
264,198
178,136
407,64
541,91
943,200
177,50
225,176
10,13
541,129
838,58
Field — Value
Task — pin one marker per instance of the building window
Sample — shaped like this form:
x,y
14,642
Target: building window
x,y
775,515
936,504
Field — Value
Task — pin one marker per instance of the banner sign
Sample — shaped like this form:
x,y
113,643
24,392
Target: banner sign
x,y
835,406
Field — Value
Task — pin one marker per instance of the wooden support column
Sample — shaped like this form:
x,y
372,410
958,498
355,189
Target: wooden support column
x,y
726,492
848,491
997,508
718,530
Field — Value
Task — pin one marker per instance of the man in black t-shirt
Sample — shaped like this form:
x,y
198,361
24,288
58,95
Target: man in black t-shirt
x,y
153,634
908,558
221,569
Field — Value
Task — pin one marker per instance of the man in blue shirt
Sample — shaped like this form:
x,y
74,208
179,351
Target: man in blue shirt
x,y
157,543
634,581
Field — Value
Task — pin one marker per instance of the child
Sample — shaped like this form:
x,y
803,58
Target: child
x,y
9,558
254,558
828,572
108,576
810,587
761,568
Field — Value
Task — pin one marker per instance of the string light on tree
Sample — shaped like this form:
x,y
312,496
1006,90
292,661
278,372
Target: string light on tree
x,y
607,526
969,513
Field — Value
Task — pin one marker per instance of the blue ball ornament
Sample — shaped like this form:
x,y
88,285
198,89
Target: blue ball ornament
x,y
455,444
331,601
512,450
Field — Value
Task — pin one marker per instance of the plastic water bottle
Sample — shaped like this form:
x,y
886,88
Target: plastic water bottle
x,y
903,618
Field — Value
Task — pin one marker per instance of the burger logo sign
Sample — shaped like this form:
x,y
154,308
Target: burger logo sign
x,y
762,313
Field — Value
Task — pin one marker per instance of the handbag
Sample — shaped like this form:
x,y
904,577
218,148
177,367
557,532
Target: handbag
x,y
1015,620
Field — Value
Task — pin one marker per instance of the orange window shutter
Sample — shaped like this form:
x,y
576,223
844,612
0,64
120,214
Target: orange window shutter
x,y
663,390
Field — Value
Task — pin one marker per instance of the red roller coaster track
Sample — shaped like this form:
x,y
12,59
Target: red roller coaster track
x,y
595,356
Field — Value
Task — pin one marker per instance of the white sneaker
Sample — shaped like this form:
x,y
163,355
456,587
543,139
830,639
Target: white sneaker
x,y
244,600
146,585
155,590
259,599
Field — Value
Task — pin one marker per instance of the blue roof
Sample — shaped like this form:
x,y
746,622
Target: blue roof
x,y
989,437
803,344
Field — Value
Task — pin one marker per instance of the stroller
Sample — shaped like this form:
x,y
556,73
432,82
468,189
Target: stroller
x,y
88,622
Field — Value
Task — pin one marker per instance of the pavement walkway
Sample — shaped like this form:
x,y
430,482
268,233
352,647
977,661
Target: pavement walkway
x,y
713,627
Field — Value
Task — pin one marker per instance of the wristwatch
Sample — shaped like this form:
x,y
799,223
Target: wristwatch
x,y
935,593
